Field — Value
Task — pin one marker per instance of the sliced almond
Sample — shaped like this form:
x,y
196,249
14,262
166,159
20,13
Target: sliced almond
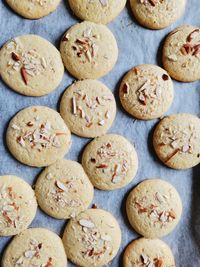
x,y
86,223
61,186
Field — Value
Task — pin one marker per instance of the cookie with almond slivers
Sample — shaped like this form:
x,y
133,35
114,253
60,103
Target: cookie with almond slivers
x,y
181,53
93,238
157,14
148,253
33,9
63,189
88,108
154,208
31,65
37,136
18,205
146,92
89,50
110,162
176,141
35,247
98,11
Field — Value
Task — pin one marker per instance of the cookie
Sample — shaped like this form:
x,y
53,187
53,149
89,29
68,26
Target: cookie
x,y
146,92
110,162
157,14
31,65
92,238
98,11
37,136
18,205
89,50
181,53
63,189
154,208
35,247
88,108
33,9
176,141
148,252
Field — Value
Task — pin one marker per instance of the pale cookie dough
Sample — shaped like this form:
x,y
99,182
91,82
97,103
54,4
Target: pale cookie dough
x,y
110,161
176,141
157,14
89,50
154,208
33,9
146,92
88,107
181,53
99,11
148,253
31,65
38,136
92,239
63,189
18,205
35,247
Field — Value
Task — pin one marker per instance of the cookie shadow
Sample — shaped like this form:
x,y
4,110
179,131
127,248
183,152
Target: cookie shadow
x,y
195,212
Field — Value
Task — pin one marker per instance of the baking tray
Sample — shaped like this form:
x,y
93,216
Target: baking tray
x,y
136,46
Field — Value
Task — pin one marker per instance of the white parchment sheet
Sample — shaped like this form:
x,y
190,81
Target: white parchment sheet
x,y
136,45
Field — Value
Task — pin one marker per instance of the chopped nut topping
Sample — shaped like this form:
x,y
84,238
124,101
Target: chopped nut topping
x,y
82,103
86,46
39,136
189,47
165,77
28,63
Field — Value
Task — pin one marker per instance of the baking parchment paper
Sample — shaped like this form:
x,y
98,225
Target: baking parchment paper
x,y
136,45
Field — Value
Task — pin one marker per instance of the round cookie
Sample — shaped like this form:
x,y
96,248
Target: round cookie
x,y
181,53
18,205
110,162
146,92
89,50
157,14
37,136
35,247
31,65
33,9
154,208
88,107
176,141
63,189
98,11
148,252
92,238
